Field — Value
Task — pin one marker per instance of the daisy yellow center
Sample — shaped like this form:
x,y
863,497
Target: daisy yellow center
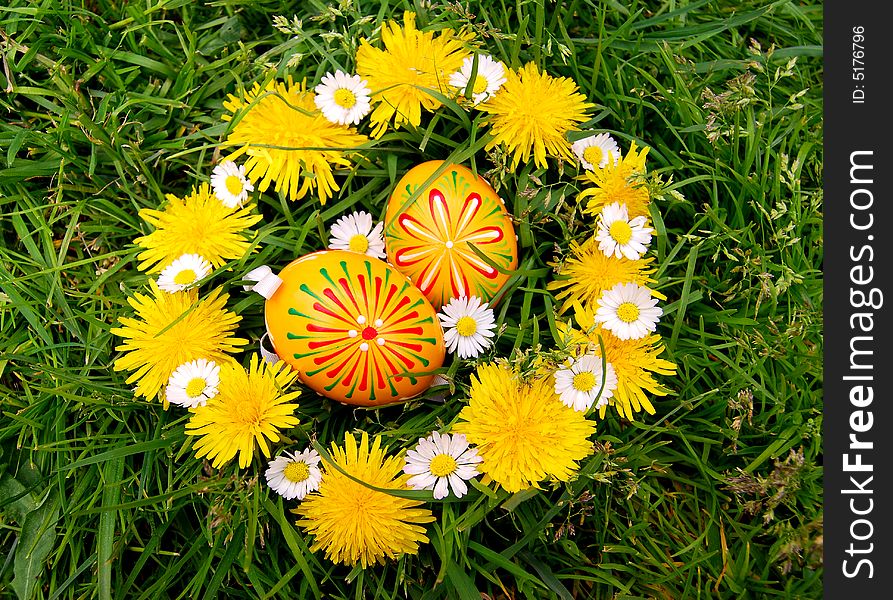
x,y
195,387
185,277
359,243
628,312
296,472
621,232
234,184
480,85
345,98
443,465
584,382
593,155
466,326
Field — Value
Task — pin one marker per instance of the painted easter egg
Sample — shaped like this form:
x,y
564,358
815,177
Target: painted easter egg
x,y
356,329
429,238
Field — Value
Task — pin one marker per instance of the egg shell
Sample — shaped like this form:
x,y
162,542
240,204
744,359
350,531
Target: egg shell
x,y
355,328
428,238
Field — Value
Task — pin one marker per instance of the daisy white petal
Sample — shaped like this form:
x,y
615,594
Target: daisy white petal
x,y
194,383
355,232
467,471
579,384
294,475
490,77
414,468
595,151
442,471
619,236
458,486
468,325
183,273
628,311
423,481
230,184
342,98
441,488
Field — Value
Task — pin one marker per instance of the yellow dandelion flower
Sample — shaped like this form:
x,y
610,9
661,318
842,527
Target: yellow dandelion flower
x,y
354,523
412,63
197,224
635,362
288,140
618,183
249,407
522,430
587,272
171,329
534,111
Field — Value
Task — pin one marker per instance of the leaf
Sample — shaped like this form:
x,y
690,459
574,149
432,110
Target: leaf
x,y
519,497
112,473
36,541
547,576
14,498
461,583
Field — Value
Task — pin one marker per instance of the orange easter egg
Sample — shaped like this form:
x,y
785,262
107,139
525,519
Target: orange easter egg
x,y
429,238
356,329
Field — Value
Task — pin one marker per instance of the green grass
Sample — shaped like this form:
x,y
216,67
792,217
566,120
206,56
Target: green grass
x,y
110,105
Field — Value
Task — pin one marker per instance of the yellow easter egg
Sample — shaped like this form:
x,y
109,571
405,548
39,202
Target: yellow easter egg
x,y
355,328
429,239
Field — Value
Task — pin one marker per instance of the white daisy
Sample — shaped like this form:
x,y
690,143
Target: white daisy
x,y
579,384
490,77
342,98
469,326
628,311
620,236
440,462
183,273
294,475
194,383
596,150
230,184
354,232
